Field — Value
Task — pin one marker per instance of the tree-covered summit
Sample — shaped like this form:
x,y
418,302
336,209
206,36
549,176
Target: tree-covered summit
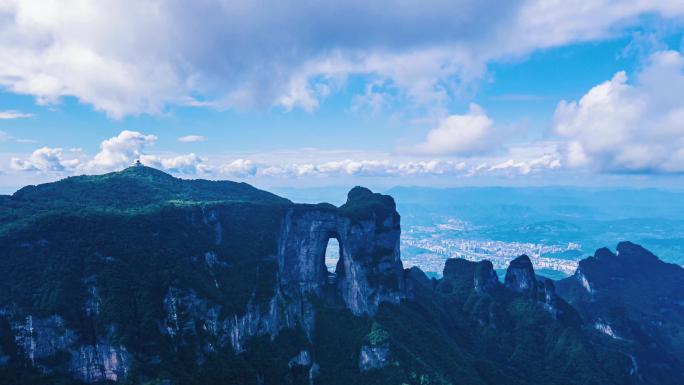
x,y
139,186
134,189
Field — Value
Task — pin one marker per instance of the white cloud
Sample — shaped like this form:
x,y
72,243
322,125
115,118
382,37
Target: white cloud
x,y
124,57
189,164
192,138
115,154
619,126
364,168
352,167
545,162
120,151
14,114
44,159
460,135
289,171
239,168
432,167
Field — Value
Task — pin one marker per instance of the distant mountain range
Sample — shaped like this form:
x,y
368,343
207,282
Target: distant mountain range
x,y
137,277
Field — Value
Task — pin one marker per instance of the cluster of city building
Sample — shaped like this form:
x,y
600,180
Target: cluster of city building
x,y
428,251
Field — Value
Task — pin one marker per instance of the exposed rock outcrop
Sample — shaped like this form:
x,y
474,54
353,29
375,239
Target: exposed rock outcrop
x,y
100,362
374,357
485,278
631,296
463,274
301,359
368,273
369,270
41,338
520,276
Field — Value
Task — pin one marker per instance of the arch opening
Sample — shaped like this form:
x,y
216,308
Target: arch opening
x,y
333,252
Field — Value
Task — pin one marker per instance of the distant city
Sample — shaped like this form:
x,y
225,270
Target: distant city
x,y
555,227
428,248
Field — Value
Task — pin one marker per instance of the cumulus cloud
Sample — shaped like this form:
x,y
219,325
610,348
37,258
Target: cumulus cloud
x,y
618,126
432,167
460,135
239,168
364,168
189,164
351,167
120,151
45,159
524,167
289,171
192,138
13,114
115,153
244,55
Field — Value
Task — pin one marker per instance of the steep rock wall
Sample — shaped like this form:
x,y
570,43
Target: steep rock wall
x,y
368,273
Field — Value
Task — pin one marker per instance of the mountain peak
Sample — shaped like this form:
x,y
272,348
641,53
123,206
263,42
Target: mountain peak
x,y
633,250
520,275
133,188
142,170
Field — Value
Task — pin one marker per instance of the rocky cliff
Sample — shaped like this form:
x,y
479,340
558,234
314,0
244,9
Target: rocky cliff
x,y
520,276
210,276
137,277
369,270
636,301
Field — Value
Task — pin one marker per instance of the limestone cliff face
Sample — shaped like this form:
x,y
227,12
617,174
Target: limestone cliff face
x,y
485,278
374,357
38,339
369,270
520,276
368,273
463,274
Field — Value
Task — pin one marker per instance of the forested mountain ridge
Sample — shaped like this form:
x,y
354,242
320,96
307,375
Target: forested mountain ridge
x,y
138,277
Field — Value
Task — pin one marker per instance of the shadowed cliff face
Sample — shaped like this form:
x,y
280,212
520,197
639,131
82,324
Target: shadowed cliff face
x,y
635,300
369,270
520,276
156,271
138,277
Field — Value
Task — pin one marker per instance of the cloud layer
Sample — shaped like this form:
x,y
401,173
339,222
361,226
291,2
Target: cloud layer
x,y
13,114
460,135
129,57
618,126
192,138
125,148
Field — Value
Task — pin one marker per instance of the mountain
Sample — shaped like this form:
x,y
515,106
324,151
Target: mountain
x,y
636,301
137,277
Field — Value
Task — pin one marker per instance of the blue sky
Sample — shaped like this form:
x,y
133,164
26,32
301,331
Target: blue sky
x,y
439,93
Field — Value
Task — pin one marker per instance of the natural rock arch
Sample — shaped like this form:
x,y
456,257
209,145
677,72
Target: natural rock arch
x,y
369,270
333,241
